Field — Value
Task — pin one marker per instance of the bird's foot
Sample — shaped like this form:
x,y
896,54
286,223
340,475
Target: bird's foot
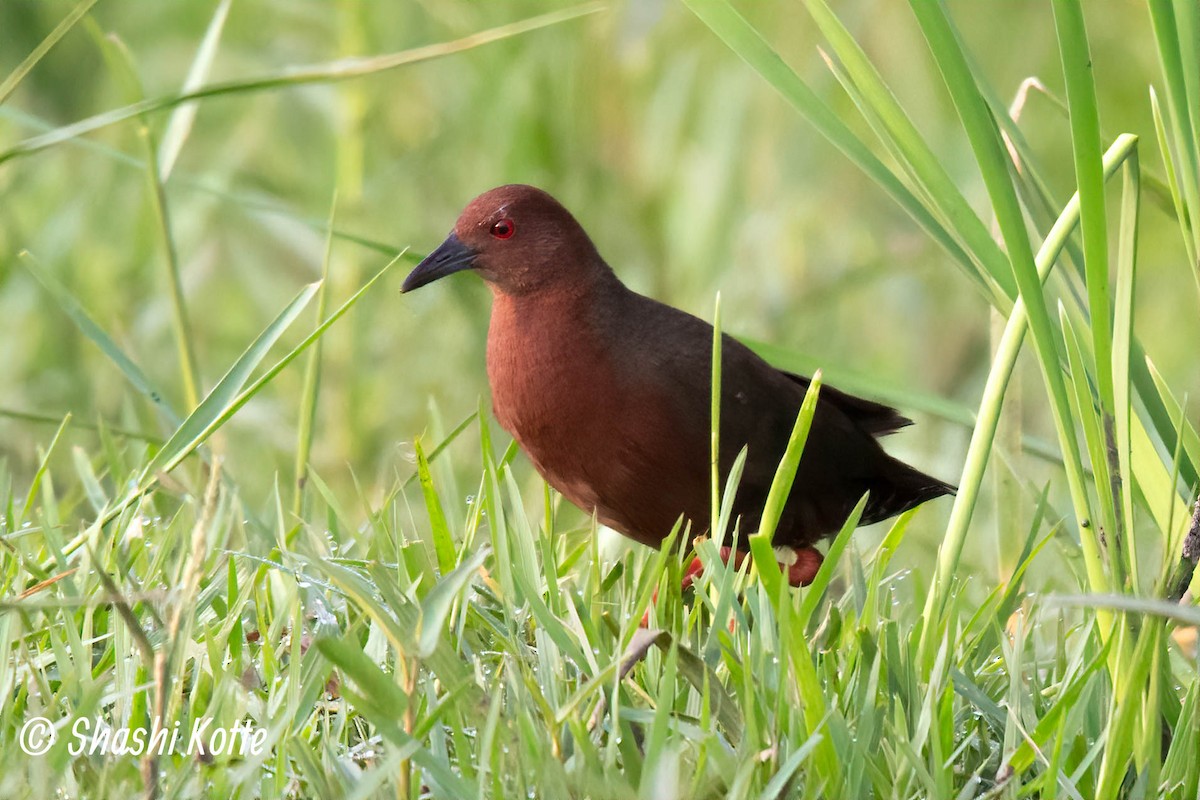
x,y
798,564
804,565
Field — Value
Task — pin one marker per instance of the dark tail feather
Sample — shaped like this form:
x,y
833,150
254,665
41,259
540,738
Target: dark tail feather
x,y
900,489
874,418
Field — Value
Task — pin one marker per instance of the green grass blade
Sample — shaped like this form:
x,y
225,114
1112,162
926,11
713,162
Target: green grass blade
x,y
1121,467
343,69
993,162
443,542
312,378
255,387
88,326
30,61
1095,441
1187,20
1182,115
1189,439
785,475
436,605
196,428
382,702
925,166
982,438
760,542
179,126
1168,158
39,474
186,445
746,42
1089,176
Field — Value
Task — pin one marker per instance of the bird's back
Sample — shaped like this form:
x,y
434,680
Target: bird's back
x,y
666,353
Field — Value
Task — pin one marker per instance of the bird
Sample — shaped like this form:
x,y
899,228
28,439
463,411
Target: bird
x,y
608,392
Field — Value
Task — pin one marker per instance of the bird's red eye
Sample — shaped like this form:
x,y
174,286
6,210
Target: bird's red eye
x,y
504,229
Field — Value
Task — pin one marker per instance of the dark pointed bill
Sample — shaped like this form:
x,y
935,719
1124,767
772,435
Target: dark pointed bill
x,y
450,257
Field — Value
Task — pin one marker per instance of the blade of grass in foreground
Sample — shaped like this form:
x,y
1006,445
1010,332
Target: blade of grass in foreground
x,y
381,701
781,486
36,483
435,606
342,69
1084,411
1123,338
443,540
270,374
982,438
991,156
194,429
825,760
1089,176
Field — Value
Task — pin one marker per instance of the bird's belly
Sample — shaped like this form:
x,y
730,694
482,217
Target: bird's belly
x,y
567,433
605,448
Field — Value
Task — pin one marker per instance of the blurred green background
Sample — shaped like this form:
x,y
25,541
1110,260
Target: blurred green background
x,y
690,174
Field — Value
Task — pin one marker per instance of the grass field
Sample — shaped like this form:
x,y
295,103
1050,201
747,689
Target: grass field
x,y
250,492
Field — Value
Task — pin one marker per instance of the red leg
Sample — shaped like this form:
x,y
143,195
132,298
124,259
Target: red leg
x,y
692,571
645,623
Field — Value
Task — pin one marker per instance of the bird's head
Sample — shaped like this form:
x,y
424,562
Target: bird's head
x,y
519,239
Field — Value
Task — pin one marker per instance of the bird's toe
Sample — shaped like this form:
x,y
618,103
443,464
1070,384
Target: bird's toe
x,y
803,570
